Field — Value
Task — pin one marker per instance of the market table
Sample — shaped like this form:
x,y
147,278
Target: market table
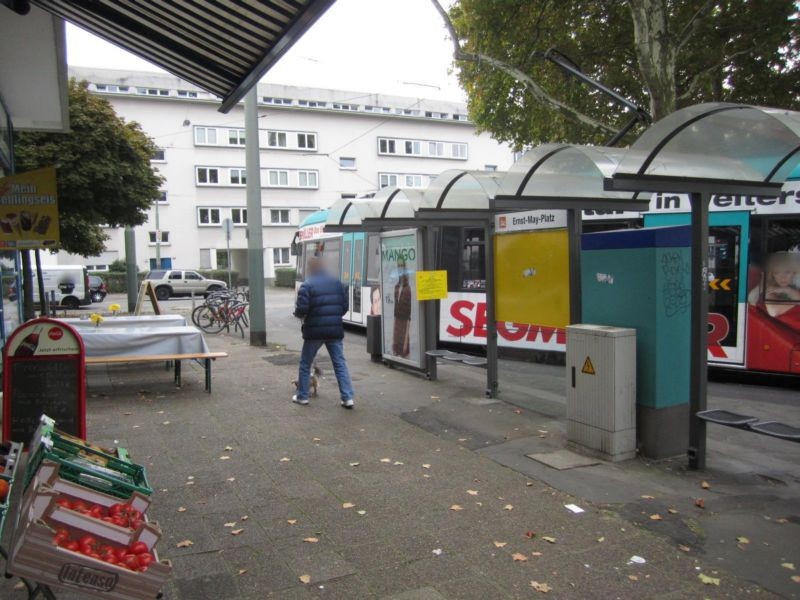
x,y
130,321
137,341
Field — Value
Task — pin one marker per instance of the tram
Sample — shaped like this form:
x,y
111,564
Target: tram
x,y
754,276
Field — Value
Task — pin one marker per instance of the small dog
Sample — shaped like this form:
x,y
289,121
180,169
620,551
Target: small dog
x,y
316,374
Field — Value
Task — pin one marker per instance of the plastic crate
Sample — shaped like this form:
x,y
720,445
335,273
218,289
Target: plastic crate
x,y
9,474
84,465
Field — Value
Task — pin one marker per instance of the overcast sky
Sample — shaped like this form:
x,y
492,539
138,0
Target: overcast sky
x,y
387,46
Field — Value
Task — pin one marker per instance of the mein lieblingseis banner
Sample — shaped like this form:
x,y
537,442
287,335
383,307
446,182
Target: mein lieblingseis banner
x,y
29,210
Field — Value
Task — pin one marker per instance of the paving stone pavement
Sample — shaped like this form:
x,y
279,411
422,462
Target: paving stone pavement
x,y
396,512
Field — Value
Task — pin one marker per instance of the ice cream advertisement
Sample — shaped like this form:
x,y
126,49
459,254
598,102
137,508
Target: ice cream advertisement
x,y
29,210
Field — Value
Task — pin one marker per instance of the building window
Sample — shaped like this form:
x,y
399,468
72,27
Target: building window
x,y
490,167
239,216
280,101
347,162
407,112
459,151
279,216
186,94
457,117
276,139
312,103
413,148
159,155
307,141
307,179
205,135
154,237
413,181
386,146
281,256
278,178
207,176
152,92
347,195
162,196
436,148
377,109
208,216
236,137
338,106
387,180
238,177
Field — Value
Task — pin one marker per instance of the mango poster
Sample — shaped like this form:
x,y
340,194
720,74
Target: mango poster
x,y
29,210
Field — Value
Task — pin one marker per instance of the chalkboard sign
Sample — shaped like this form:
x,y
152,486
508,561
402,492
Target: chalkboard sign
x,y
44,367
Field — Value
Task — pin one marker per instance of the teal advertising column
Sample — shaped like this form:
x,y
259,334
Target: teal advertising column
x,y
641,279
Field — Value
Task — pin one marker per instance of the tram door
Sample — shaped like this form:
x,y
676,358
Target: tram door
x,y
347,272
357,280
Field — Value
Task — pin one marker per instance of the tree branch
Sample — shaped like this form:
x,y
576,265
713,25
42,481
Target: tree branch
x,y
536,90
695,80
692,24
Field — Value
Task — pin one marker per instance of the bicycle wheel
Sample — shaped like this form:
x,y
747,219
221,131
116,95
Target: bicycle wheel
x,y
208,320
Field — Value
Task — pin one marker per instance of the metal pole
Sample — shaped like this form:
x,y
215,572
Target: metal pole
x,y
228,248
574,231
698,354
255,241
131,281
429,264
491,319
28,309
158,239
40,281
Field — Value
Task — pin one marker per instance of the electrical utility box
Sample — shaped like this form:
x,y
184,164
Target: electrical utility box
x,y
601,391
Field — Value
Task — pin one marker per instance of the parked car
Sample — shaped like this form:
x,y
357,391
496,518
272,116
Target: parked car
x,y
169,283
97,288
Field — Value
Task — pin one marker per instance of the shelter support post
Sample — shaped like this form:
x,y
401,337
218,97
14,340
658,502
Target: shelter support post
x,y
431,323
255,234
698,374
491,317
43,308
131,280
574,231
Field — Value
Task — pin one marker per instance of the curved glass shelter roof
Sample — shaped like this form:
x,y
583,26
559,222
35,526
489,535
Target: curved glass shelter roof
x,y
729,148
564,176
388,203
456,189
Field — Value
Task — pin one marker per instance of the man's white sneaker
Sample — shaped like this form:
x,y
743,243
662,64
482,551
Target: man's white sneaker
x,y
302,401
347,403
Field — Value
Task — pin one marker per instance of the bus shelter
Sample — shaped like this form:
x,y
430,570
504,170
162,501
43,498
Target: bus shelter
x,y
714,148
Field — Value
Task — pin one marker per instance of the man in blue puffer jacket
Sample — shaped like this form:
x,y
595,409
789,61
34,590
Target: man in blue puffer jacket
x,y
321,302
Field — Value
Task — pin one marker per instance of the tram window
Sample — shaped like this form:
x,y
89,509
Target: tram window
x,y
358,268
331,251
373,259
723,274
779,267
346,262
473,251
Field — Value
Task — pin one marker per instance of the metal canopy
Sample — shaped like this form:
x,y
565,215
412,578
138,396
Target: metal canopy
x,y
567,176
719,147
221,46
388,203
462,189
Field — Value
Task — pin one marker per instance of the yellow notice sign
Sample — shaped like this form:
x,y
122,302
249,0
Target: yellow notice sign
x,y
588,367
431,285
29,210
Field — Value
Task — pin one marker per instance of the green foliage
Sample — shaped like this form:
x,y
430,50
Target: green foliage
x,y
220,274
285,277
117,283
104,171
737,50
118,266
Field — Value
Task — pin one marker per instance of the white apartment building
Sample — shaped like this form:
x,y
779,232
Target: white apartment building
x,y
316,145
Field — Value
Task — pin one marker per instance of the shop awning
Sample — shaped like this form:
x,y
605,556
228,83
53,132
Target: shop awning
x,y
222,46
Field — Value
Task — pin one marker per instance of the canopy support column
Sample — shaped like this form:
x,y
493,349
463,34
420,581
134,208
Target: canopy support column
x,y
429,264
698,374
491,317
255,233
574,231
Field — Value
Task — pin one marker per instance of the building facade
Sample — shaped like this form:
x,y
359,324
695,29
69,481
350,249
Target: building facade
x,y
316,146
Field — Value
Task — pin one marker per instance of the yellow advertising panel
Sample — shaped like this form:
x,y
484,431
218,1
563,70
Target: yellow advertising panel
x,y
29,210
532,277
431,285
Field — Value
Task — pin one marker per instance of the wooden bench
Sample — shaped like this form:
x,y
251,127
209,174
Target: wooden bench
x,y
205,357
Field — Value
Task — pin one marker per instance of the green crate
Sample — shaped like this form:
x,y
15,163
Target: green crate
x,y
118,477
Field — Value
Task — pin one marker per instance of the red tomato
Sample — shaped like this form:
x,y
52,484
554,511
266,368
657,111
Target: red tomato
x,y
72,545
108,519
64,503
145,558
138,548
96,512
80,506
62,531
109,557
134,524
115,509
88,540
121,552
131,561
59,539
134,514
119,521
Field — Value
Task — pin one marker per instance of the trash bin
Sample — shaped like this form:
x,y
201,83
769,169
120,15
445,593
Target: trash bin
x,y
374,338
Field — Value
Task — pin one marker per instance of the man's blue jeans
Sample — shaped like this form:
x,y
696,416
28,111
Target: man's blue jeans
x,y
336,351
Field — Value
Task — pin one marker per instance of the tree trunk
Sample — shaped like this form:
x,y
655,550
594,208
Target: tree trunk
x,y
657,50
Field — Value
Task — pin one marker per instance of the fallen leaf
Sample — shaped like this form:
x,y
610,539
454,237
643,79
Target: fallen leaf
x,y
708,580
127,414
181,509
528,484
231,524
228,448
550,540
787,565
426,476
437,551
434,397
361,512
316,440
683,548
633,577
311,540
348,505
499,544
237,531
231,479
242,571
508,507
742,540
672,511
636,560
305,578
386,460
782,520
518,411
354,464
530,534
285,459
699,503
224,457
472,492
184,544
601,539
190,477
705,485
456,507
796,578
646,497
655,517
398,463
291,521
165,423
244,518
462,439
19,586
536,553
540,587
478,503
519,557
426,466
